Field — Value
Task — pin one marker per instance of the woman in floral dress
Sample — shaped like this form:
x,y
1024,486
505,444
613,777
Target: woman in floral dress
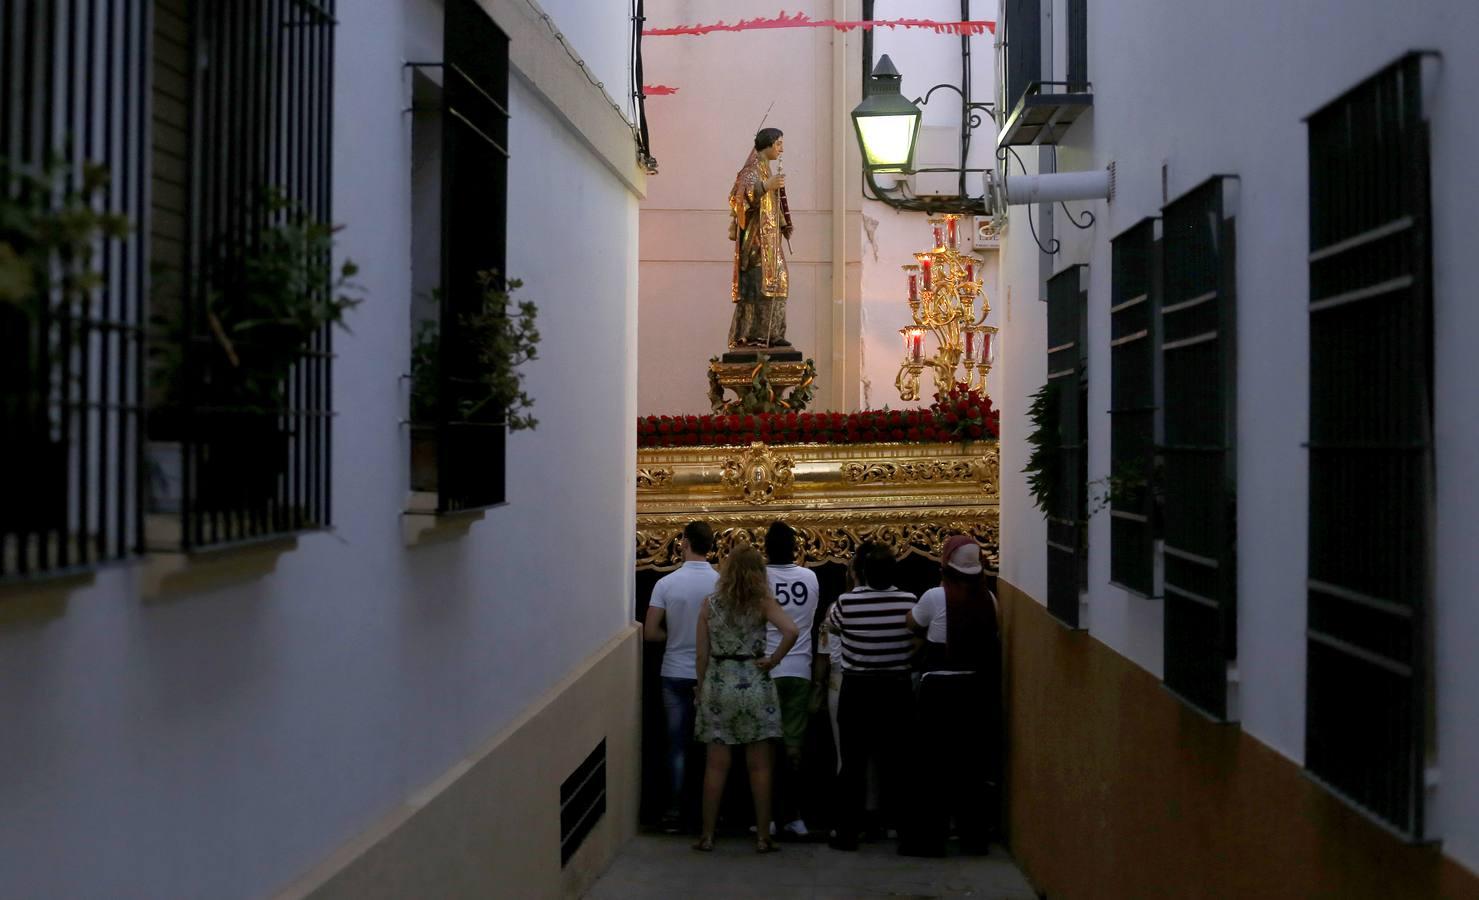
x,y
736,699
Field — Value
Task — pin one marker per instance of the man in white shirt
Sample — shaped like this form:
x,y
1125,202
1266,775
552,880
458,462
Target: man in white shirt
x,y
672,617
796,591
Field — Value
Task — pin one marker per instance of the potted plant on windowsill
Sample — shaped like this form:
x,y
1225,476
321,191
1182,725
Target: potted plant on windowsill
x,y
50,231
264,297
497,337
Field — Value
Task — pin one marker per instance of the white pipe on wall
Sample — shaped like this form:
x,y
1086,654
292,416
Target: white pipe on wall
x,y
1022,190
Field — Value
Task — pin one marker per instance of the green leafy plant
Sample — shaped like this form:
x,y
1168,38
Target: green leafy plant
x,y
267,295
1043,462
1122,487
50,230
502,335
222,374
426,370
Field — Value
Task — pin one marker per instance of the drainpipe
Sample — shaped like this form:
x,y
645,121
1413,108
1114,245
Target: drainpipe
x,y
842,385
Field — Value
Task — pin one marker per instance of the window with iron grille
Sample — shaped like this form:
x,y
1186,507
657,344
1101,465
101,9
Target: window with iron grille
x,y
74,136
1199,415
1134,308
1068,382
1371,450
1021,51
1078,43
459,429
242,270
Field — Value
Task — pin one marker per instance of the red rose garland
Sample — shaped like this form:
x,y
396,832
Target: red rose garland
x,y
957,415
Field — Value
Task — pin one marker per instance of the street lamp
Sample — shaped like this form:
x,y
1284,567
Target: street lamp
x,y
886,123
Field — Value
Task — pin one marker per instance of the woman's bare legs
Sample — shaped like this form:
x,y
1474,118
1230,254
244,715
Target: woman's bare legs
x,y
757,760
716,772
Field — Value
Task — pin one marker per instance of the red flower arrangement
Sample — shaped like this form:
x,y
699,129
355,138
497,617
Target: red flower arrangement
x,y
972,414
966,413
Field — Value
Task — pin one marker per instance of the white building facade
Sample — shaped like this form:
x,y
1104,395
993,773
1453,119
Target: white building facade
x,y
1341,743
389,701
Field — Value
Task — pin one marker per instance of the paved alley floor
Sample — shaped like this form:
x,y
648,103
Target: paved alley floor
x,y
663,866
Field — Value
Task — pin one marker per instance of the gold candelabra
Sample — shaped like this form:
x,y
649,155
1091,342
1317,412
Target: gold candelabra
x,y
943,290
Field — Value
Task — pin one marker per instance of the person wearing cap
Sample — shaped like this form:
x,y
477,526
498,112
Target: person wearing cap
x,y
963,601
958,706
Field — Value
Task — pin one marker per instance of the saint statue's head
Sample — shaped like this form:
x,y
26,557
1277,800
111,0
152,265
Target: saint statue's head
x,y
769,143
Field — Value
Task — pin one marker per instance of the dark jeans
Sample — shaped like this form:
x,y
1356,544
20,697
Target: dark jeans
x,y
958,731
677,702
874,712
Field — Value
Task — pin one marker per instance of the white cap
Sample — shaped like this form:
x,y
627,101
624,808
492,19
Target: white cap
x,y
966,559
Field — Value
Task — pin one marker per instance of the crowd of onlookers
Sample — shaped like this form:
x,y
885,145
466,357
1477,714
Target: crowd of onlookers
x,y
912,688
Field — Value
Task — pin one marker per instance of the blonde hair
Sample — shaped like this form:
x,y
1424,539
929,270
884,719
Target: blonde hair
x,y
742,586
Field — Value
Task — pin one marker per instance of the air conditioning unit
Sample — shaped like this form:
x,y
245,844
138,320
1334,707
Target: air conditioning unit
x,y
938,147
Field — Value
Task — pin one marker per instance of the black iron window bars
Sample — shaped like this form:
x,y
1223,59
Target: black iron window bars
x,y
1371,489
470,432
1199,414
1068,383
73,147
250,404
1133,319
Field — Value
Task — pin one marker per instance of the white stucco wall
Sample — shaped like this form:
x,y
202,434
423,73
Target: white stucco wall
x,y
1221,89
600,34
219,744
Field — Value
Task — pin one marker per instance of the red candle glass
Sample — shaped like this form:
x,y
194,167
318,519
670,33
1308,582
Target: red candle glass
x,y
913,288
925,264
914,344
970,271
939,232
951,235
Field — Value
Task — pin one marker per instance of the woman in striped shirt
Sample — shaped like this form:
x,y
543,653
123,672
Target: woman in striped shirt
x,y
876,702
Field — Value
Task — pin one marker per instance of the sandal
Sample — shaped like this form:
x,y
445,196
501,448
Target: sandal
x,y
767,845
704,845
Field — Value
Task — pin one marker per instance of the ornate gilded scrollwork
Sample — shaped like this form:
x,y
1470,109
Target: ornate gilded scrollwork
x,y
830,537
908,497
651,478
986,470
758,475
924,470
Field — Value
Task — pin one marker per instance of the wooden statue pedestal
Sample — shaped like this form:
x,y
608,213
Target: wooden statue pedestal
x,y
762,379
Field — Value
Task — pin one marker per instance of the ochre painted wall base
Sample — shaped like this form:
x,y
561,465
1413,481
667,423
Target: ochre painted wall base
x,y
490,826
1115,789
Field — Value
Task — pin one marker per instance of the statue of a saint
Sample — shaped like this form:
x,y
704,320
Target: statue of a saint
x,y
759,219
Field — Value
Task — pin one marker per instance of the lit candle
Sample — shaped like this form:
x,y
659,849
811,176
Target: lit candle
x,y
951,236
916,344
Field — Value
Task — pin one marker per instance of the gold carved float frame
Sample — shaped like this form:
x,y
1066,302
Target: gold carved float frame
x,y
910,497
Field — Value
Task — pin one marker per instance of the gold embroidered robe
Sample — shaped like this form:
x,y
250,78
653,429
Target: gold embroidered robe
x,y
760,281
